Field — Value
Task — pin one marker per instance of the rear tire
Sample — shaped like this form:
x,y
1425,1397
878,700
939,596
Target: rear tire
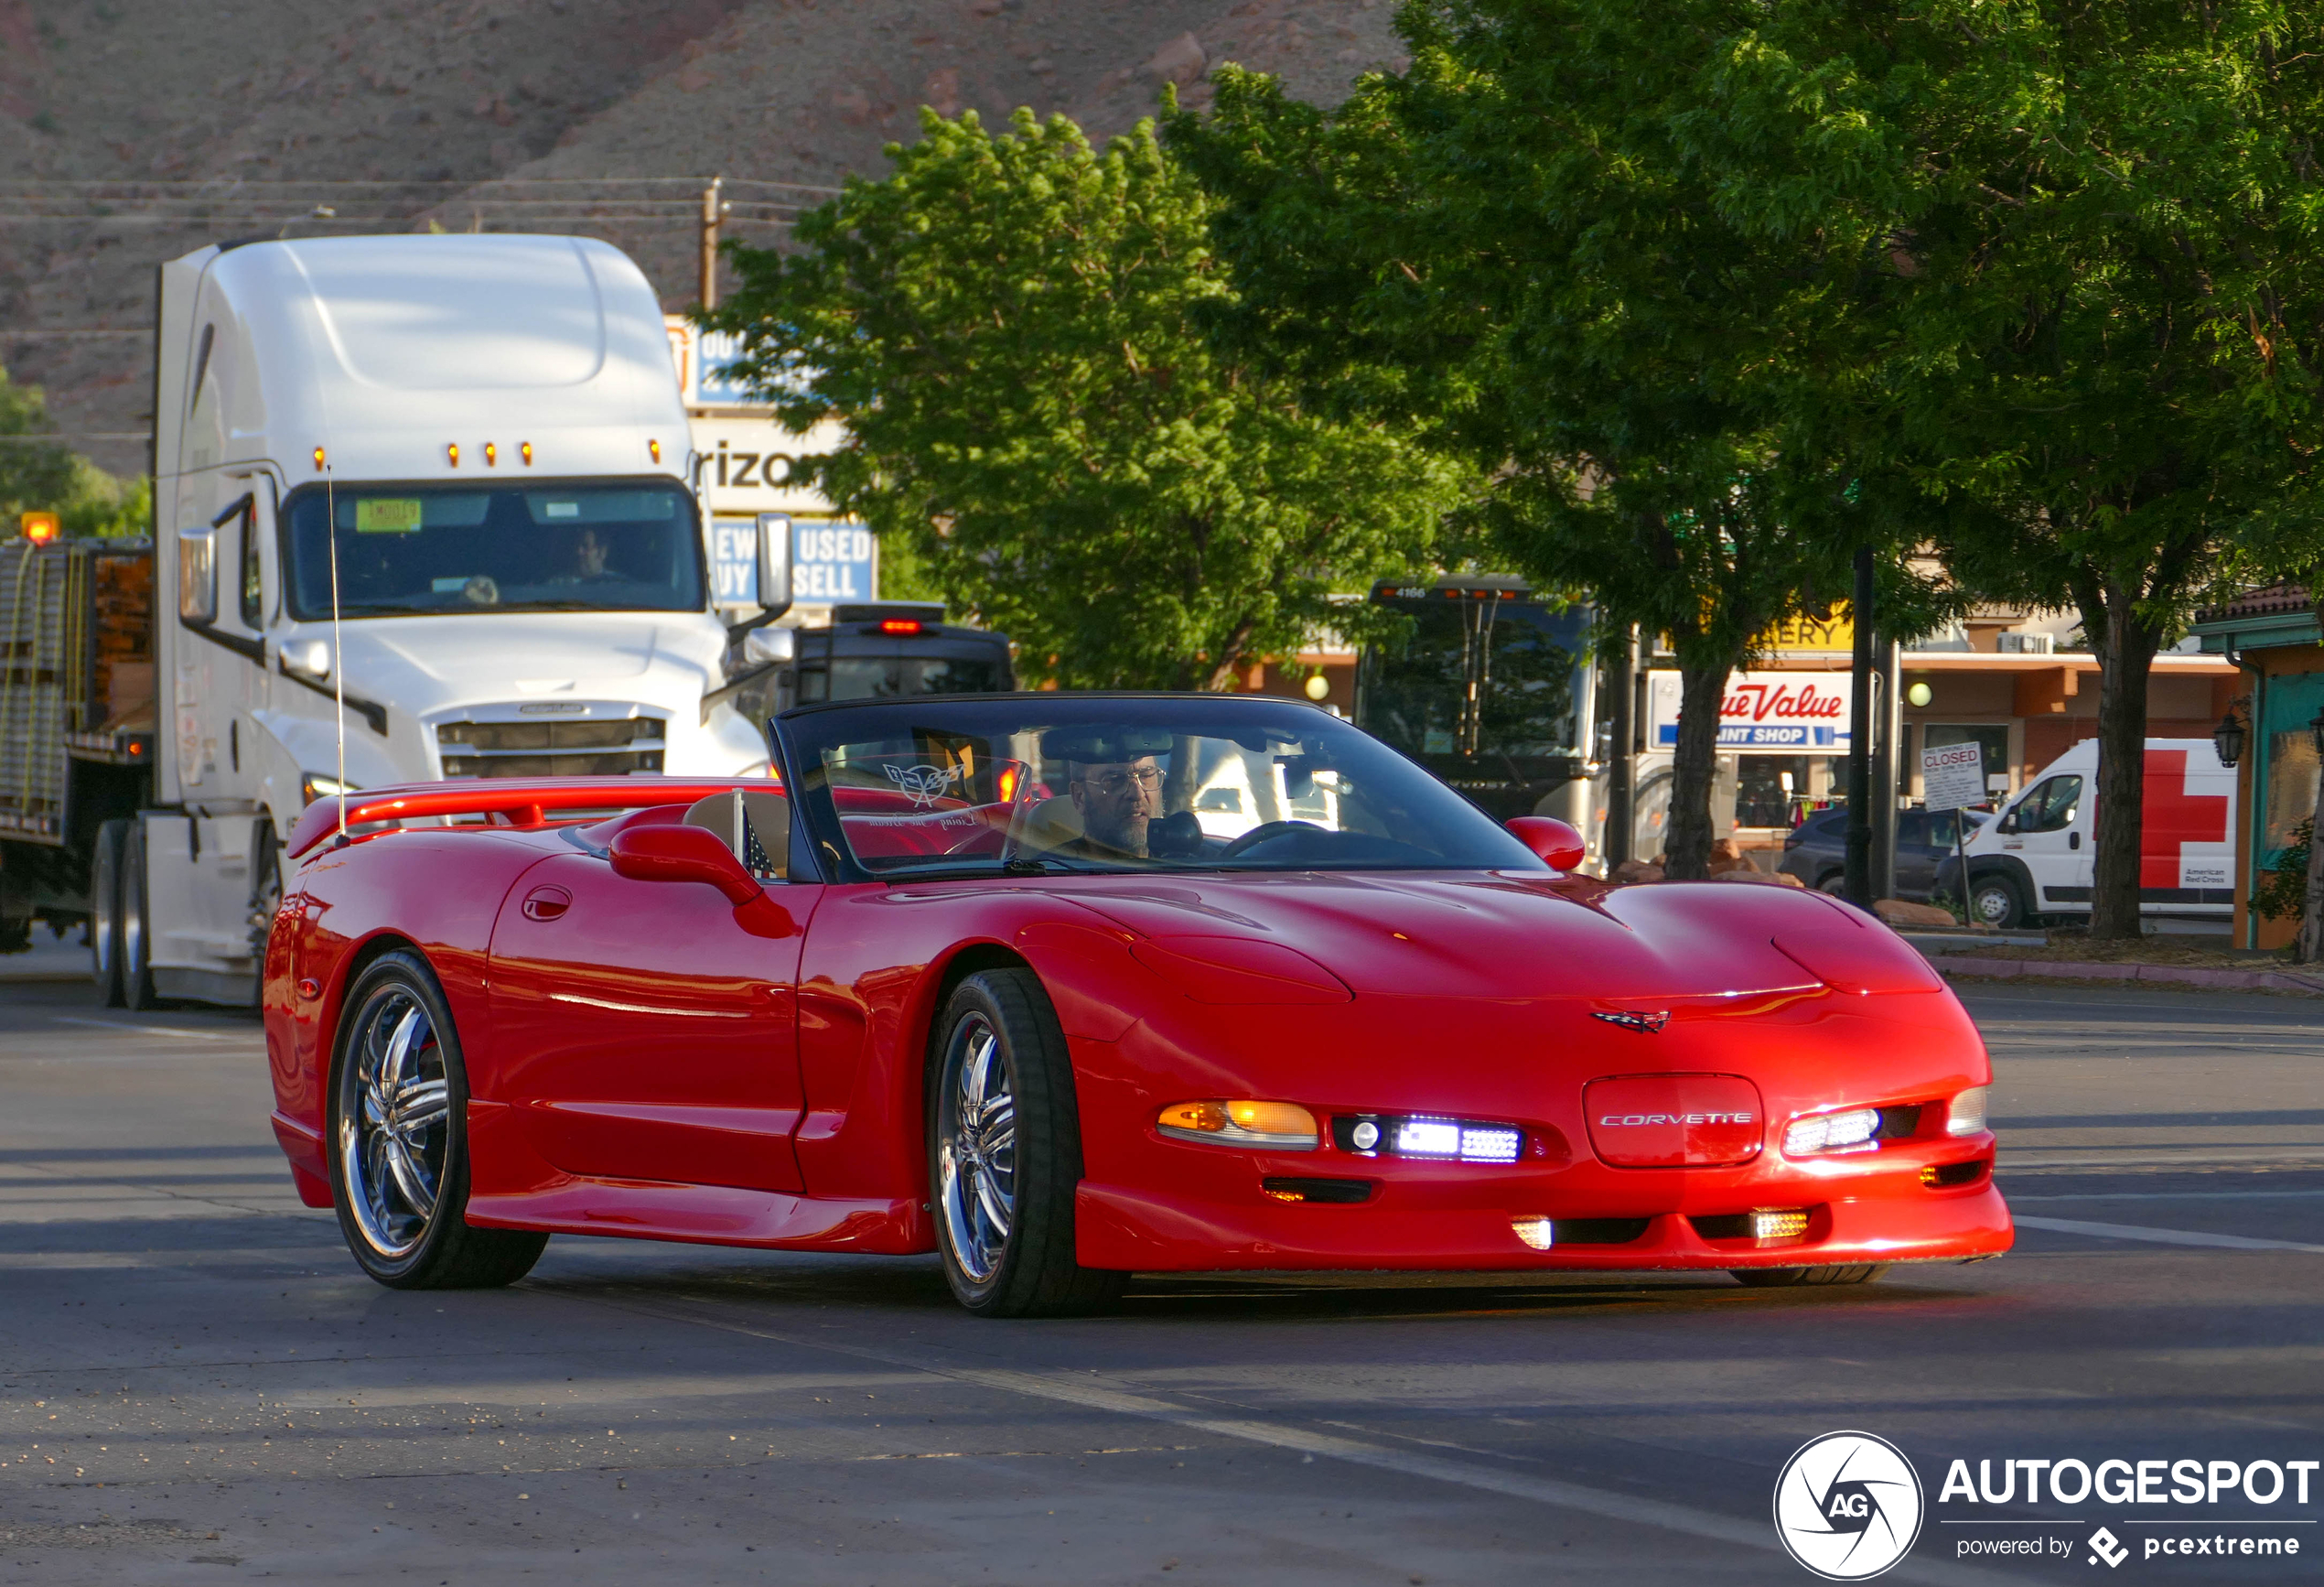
x,y
1832,884
104,912
136,924
396,1137
1005,1154
1792,1278
1996,900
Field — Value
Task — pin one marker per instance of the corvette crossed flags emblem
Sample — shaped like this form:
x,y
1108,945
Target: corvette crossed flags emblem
x,y
1645,1024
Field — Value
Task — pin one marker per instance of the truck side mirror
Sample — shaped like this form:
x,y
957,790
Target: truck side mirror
x,y
770,644
774,562
2007,823
198,574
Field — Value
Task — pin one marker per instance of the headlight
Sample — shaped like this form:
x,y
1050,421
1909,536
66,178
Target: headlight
x,y
1968,1115
1280,1125
314,785
1849,1131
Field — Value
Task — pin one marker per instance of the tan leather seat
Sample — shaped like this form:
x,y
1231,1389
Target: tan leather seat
x,y
1050,825
766,817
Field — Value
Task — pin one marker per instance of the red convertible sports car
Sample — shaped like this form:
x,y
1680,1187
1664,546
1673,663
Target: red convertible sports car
x,y
1066,986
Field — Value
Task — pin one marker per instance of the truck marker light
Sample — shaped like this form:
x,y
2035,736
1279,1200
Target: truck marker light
x,y
653,450
491,456
452,453
318,459
899,625
524,450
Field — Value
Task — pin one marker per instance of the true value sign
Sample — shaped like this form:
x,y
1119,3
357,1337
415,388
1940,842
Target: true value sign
x,y
1799,713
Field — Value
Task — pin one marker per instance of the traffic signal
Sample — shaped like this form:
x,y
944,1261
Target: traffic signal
x,y
38,527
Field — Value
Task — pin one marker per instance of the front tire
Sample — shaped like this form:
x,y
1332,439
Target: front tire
x,y
104,912
1005,1154
1792,1278
136,924
1995,900
398,1140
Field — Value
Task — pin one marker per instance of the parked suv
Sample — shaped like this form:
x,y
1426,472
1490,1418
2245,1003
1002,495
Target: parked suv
x,y
1817,850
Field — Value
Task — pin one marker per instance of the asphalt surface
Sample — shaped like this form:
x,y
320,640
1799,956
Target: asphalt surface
x,y
197,1385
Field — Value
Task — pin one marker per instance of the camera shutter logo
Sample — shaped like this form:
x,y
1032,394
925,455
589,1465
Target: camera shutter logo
x,y
1848,1506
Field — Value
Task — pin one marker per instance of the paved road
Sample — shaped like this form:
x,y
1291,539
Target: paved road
x,y
197,1385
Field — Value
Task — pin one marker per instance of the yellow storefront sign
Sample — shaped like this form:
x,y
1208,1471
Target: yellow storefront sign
x,y
1837,633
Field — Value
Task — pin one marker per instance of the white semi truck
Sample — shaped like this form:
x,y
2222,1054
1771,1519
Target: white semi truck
x,y
439,480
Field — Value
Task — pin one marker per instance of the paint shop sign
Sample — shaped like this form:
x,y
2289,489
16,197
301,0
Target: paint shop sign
x,y
1799,713
1848,1506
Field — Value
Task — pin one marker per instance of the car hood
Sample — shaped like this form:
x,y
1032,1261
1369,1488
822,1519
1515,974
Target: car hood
x,y
1506,935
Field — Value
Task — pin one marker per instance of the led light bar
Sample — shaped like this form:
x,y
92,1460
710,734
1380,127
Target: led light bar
x,y
1826,1133
1540,1233
1778,1223
1442,1140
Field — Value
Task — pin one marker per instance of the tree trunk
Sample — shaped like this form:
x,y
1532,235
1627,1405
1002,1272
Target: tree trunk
x,y
1687,852
2310,946
2125,645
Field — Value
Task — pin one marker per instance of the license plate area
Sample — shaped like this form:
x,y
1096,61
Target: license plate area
x,y
1674,1120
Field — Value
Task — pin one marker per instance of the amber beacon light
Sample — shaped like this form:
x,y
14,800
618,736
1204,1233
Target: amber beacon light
x,y
452,453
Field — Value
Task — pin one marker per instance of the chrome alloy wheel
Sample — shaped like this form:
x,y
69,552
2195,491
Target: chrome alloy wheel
x,y
976,1149
394,1123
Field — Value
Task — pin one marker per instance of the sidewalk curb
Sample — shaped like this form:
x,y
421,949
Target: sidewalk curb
x,y
1981,968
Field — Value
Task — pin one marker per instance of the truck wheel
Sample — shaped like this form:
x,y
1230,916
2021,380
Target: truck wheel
x,y
397,1141
136,924
1995,901
104,912
266,889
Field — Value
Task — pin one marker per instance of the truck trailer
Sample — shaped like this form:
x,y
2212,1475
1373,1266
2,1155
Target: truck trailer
x,y
421,511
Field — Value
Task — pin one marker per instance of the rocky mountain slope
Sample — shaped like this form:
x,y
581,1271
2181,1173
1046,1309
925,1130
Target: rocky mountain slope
x,y
131,131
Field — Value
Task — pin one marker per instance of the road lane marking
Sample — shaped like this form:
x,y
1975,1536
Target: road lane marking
x,y
2277,1195
151,1030
2162,1237
1089,1396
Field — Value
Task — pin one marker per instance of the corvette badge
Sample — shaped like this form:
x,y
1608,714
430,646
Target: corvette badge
x,y
1645,1024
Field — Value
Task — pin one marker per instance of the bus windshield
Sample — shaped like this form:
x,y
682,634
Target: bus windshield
x,y
408,550
1485,677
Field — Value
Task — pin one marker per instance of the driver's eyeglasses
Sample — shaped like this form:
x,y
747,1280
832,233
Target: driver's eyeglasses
x,y
1110,784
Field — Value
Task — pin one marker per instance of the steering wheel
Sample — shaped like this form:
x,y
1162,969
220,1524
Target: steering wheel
x,y
1261,833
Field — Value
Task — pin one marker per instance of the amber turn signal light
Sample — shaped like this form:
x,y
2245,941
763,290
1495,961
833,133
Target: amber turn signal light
x,y
1283,1125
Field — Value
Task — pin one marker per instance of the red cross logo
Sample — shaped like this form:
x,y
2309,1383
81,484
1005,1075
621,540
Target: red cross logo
x,y
2174,816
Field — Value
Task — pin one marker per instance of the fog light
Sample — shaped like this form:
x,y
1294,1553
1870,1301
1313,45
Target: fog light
x,y
1968,1115
1849,1131
1780,1222
1539,1233
1366,1135
1283,1125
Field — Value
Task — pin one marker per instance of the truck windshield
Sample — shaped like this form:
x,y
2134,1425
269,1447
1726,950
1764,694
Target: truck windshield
x,y
404,550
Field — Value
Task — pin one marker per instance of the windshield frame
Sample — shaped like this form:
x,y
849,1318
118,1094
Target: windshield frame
x,y
287,561
804,732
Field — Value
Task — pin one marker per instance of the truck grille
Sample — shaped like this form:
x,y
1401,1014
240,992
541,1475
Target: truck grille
x,y
559,749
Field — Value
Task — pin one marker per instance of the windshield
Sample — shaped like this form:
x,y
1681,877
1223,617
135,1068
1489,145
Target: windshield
x,y
1479,678
614,546
1069,783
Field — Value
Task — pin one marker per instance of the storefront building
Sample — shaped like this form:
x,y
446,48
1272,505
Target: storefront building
x,y
2270,635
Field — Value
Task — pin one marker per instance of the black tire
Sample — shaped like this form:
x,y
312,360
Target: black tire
x,y
136,924
392,1240
104,912
1791,1278
15,933
1033,1164
1996,900
266,896
1831,883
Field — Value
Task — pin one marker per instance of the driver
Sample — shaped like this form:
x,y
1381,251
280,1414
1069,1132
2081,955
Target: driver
x,y
1115,801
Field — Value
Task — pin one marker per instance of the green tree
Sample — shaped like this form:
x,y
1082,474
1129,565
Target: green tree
x,y
1013,329
36,474
1518,241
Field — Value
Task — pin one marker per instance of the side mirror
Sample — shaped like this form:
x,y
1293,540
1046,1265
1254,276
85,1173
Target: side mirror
x,y
770,644
198,574
682,854
1553,843
2007,823
774,562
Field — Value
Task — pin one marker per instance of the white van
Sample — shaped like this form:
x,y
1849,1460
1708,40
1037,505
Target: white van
x,y
2036,860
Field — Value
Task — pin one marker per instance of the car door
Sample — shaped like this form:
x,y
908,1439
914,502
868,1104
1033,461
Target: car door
x,y
642,1032
2049,831
1916,859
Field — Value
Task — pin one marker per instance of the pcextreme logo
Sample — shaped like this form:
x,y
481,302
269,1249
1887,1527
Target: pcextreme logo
x,y
1848,1506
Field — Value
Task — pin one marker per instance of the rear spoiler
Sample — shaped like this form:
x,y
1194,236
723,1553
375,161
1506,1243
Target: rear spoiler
x,y
522,802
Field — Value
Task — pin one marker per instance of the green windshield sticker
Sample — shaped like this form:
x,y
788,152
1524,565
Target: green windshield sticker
x,y
387,515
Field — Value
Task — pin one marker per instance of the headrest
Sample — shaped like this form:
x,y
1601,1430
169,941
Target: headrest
x,y
1051,824
768,817
1099,744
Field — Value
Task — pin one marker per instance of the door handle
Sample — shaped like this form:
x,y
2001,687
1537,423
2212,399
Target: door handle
x,y
2074,841
546,902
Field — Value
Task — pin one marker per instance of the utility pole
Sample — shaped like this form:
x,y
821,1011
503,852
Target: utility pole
x,y
712,209
1886,774
1622,765
1857,879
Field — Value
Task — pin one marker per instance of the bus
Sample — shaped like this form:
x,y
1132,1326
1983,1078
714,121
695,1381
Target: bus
x,y
1491,690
